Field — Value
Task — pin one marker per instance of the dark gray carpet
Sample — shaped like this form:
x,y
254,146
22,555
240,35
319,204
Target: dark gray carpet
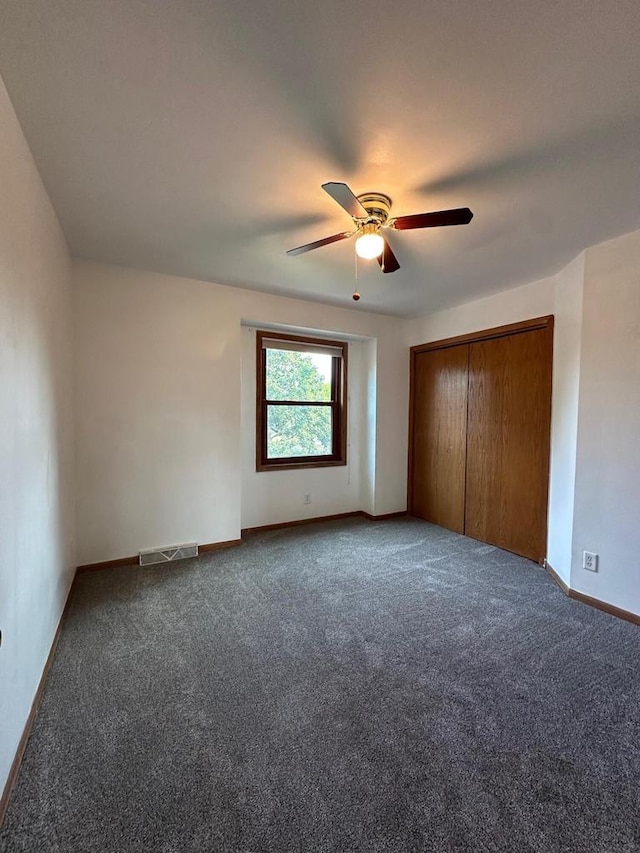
x,y
346,686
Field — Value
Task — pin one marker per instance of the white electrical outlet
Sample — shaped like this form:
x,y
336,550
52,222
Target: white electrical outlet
x,y
306,499
589,561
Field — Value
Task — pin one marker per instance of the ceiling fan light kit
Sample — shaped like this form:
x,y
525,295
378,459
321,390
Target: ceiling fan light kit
x,y
371,216
370,243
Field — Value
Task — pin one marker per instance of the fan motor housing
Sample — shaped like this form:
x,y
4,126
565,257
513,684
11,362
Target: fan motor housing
x,y
377,205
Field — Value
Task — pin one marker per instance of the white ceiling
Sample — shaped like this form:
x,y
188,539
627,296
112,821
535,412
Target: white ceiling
x,y
192,136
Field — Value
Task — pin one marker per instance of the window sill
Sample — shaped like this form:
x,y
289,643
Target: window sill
x,y
288,465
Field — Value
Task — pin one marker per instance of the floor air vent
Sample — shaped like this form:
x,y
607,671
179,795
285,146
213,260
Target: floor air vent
x,y
166,555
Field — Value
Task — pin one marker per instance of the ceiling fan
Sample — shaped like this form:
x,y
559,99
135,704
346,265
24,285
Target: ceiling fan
x,y
370,214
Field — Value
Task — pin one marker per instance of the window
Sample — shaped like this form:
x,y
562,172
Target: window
x,y
301,402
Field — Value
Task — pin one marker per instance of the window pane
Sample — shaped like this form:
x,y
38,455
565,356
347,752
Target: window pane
x,y
298,431
298,376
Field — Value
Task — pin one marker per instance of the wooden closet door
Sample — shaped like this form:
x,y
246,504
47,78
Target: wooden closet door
x,y
508,441
439,436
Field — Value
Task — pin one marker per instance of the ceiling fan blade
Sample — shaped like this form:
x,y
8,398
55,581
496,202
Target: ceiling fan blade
x,y
318,243
387,260
457,216
342,194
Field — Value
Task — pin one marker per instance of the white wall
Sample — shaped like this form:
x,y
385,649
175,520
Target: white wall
x,y
510,306
607,503
567,340
368,422
161,453
36,454
158,390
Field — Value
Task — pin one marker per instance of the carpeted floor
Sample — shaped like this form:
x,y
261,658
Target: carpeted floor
x,y
345,686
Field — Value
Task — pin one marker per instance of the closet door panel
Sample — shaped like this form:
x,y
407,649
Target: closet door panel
x,y
508,441
439,436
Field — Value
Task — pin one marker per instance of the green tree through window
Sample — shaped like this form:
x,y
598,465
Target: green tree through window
x,y
298,430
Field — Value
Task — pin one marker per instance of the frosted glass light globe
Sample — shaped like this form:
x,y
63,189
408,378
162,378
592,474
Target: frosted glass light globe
x,y
369,246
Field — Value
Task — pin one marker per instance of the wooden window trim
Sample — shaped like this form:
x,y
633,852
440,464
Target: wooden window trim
x,y
338,404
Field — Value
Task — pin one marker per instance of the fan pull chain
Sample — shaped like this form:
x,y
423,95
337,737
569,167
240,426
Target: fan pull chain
x,y
356,295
